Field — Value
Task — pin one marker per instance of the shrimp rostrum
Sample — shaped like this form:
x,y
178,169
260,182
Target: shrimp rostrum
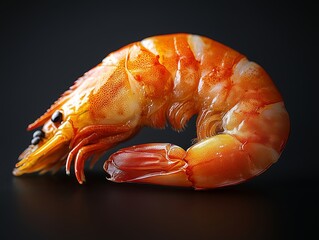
x,y
242,124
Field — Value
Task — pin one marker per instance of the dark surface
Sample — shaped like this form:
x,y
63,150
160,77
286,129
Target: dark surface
x,y
45,47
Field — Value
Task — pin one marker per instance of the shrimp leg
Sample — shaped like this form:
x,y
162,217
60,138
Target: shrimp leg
x,y
94,140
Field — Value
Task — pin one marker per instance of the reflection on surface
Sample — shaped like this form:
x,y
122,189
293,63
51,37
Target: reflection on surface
x,y
53,206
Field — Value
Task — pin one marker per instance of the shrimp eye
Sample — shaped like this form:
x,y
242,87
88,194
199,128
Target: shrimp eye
x,y
38,133
35,140
57,117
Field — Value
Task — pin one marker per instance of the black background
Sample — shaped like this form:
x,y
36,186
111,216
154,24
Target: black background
x,y
46,46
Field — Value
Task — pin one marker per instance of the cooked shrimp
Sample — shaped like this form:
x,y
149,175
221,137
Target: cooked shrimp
x,y
242,124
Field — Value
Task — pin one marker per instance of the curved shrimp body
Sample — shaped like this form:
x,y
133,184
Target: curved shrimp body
x,y
242,124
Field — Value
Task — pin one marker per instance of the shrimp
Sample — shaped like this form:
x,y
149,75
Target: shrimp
x,y
242,124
